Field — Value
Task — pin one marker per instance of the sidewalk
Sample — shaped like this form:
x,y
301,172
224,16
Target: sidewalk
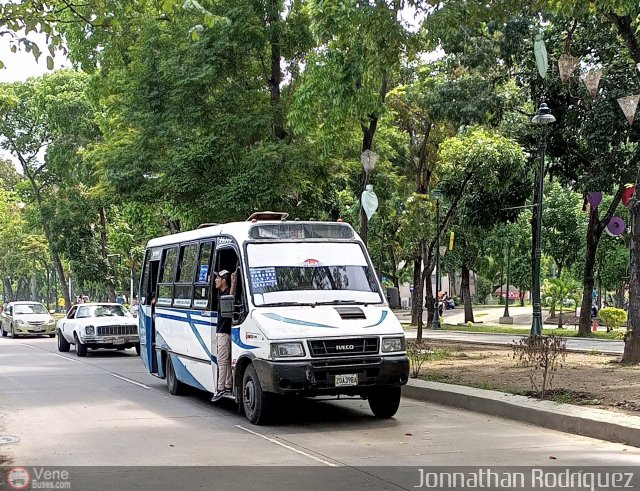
x,y
592,422
522,316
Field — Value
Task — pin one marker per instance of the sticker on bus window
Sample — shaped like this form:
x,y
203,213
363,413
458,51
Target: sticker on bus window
x,y
200,303
202,274
263,277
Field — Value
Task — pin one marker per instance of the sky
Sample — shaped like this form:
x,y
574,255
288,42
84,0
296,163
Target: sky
x,y
21,65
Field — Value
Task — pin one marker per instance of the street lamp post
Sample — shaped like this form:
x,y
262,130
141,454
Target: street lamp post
x,y
543,117
437,194
506,318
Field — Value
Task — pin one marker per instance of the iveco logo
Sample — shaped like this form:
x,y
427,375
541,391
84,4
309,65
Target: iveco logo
x,y
345,347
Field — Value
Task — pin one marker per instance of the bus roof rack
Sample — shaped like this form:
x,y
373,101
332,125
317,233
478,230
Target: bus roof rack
x,y
268,215
205,225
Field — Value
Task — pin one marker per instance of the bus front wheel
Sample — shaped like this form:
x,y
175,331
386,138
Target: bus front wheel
x,y
256,403
384,402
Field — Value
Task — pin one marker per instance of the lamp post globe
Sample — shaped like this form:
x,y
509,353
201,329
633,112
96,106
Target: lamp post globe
x,y
543,117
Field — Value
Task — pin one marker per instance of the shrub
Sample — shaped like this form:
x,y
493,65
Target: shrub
x,y
541,355
418,353
613,318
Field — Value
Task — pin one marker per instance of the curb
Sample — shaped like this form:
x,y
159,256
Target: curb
x,y
578,420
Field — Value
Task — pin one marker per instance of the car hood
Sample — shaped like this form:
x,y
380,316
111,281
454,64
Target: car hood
x,y
325,321
33,317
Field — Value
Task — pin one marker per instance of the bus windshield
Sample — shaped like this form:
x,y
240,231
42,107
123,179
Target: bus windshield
x,y
310,273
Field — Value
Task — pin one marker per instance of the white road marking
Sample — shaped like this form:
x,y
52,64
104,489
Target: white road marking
x,y
313,457
130,381
66,358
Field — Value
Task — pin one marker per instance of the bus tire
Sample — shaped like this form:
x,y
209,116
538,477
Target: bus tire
x,y
81,348
384,402
63,344
175,387
256,403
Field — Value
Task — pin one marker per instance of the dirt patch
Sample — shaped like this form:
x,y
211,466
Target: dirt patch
x,y
584,378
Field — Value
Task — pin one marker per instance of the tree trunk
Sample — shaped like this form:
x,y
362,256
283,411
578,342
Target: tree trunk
x,y
466,295
111,288
34,282
274,26
632,340
394,268
521,297
416,298
8,290
588,280
429,299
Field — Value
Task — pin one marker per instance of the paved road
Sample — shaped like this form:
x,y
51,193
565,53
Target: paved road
x,y
604,346
107,410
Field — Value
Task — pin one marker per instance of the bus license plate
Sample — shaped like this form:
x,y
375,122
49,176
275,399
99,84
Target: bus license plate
x,y
346,380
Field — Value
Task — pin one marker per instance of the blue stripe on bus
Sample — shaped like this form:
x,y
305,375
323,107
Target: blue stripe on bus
x,y
382,318
183,374
297,322
235,337
186,319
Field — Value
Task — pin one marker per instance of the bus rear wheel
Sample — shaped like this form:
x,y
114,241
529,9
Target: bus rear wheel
x,y
257,404
176,388
384,402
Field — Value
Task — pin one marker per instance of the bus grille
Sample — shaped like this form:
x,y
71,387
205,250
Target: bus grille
x,y
344,347
117,330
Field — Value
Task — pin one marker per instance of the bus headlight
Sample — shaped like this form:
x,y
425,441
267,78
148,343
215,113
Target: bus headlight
x,y
90,330
286,350
390,345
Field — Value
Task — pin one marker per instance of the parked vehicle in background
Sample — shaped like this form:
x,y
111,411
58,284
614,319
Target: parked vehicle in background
x,y
27,318
97,325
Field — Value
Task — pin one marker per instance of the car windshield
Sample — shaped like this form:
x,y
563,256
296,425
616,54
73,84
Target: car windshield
x,y
101,311
30,308
311,273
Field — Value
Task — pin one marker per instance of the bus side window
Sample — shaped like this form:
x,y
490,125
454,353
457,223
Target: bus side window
x,y
203,277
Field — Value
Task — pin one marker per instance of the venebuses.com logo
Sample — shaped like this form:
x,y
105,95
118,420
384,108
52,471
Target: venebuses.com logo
x,y
18,478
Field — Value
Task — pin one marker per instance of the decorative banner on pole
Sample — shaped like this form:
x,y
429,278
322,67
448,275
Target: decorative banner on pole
x,y
594,198
628,194
566,65
616,227
592,81
369,201
368,159
542,59
452,236
629,105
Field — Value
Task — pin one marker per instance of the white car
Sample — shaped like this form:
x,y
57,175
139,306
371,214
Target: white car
x,y
97,325
25,318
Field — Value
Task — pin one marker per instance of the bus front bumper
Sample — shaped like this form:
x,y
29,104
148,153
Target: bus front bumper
x,y
319,376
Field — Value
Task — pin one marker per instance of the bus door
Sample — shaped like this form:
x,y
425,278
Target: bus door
x,y
146,317
226,258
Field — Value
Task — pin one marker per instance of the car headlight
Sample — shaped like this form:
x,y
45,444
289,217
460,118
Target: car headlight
x,y
390,345
51,322
90,330
286,350
20,321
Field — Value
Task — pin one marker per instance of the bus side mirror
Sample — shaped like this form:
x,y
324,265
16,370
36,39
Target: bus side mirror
x,y
226,306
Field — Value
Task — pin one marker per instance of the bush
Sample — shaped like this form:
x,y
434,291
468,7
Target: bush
x,y
613,318
418,353
542,355
485,288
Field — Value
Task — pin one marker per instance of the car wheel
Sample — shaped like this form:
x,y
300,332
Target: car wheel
x,y
13,332
63,344
384,402
121,348
81,348
176,388
4,333
137,348
257,404
51,335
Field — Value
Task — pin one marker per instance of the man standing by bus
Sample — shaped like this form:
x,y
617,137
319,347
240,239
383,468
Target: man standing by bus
x,y
226,285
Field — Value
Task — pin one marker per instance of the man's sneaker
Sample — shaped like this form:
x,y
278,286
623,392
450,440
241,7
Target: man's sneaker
x,y
219,394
